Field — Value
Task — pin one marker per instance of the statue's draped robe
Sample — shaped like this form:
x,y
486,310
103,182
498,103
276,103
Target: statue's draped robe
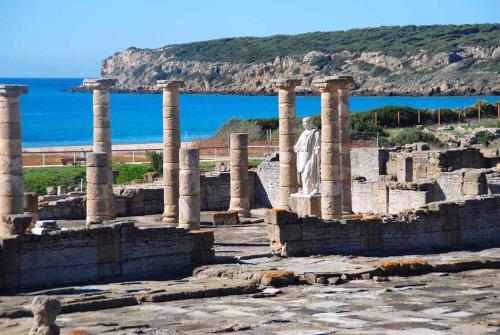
x,y
308,160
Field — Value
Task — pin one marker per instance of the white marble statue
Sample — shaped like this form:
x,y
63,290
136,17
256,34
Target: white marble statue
x,y
308,157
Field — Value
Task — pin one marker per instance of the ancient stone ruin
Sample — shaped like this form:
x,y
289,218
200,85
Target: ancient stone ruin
x,y
369,200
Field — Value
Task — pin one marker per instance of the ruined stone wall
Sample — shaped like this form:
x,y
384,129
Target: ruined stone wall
x,y
369,162
267,182
141,200
101,252
440,225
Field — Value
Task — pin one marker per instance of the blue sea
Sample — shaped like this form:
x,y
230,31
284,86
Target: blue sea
x,y
53,116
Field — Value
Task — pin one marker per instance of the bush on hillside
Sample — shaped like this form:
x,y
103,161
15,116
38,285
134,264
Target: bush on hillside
x,y
410,136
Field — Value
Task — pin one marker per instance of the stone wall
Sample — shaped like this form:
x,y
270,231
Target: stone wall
x,y
369,162
440,225
100,252
136,200
267,181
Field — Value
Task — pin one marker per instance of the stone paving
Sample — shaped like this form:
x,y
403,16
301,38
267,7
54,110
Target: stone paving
x,y
437,303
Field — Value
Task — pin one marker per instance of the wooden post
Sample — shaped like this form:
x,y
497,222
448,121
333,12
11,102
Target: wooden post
x,y
498,111
478,111
375,117
418,116
459,112
439,117
399,124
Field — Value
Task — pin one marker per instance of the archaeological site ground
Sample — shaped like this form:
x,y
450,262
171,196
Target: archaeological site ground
x,y
386,240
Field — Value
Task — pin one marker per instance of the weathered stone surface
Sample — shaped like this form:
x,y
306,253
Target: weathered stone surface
x,y
225,218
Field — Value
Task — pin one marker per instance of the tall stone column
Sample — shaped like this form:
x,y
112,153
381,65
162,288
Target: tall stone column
x,y
287,136
240,201
97,188
189,189
331,179
102,128
11,166
345,141
171,145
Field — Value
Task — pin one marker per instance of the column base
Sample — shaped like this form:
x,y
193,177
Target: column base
x,y
169,221
306,204
242,212
190,226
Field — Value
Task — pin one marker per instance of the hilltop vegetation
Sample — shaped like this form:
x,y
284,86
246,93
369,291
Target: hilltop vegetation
x,y
407,60
394,41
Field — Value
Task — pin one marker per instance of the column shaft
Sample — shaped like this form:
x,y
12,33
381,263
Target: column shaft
x,y
98,198
11,167
288,182
331,181
240,201
102,130
171,146
345,148
189,189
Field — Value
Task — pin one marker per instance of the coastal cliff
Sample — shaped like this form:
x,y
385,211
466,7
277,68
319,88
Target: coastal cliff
x,y
409,60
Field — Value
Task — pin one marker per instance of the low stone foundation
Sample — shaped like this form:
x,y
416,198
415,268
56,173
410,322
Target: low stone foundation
x,y
439,225
101,252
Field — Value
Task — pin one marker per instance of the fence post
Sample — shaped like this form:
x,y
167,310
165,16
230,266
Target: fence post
x,y
418,116
133,156
459,112
399,123
74,158
378,139
43,158
478,111
498,111
375,117
439,117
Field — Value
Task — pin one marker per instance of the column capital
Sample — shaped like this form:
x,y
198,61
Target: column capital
x,y
287,83
99,84
13,90
332,83
170,85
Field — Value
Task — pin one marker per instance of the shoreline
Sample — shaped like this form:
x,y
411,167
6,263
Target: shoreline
x,y
353,93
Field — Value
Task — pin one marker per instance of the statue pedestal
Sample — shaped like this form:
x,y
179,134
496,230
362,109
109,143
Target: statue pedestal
x,y
306,204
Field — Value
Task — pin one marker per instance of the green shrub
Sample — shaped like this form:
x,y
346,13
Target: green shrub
x,y
484,137
410,136
254,131
130,172
155,161
364,66
380,71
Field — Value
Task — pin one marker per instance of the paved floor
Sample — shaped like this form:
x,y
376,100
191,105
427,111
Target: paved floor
x,y
459,303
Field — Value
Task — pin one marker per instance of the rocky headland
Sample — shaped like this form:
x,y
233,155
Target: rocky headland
x,y
409,60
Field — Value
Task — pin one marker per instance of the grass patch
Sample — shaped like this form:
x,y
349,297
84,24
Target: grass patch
x,y
37,179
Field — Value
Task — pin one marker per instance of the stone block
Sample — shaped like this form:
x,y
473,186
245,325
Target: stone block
x,y
277,216
225,218
203,240
306,204
14,224
287,232
203,257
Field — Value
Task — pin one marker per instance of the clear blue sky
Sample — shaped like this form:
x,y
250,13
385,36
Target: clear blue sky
x,y
69,38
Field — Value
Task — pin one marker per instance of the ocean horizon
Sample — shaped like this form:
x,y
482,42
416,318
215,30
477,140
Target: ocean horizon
x,y
54,116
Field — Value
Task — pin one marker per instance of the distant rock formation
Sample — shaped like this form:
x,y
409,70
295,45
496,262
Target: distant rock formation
x,y
410,60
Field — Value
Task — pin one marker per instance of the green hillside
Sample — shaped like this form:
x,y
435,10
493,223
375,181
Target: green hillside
x,y
395,41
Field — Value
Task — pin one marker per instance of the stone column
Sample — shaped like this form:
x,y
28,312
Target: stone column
x,y
331,180
240,201
345,141
97,188
102,128
287,137
11,166
171,145
189,189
